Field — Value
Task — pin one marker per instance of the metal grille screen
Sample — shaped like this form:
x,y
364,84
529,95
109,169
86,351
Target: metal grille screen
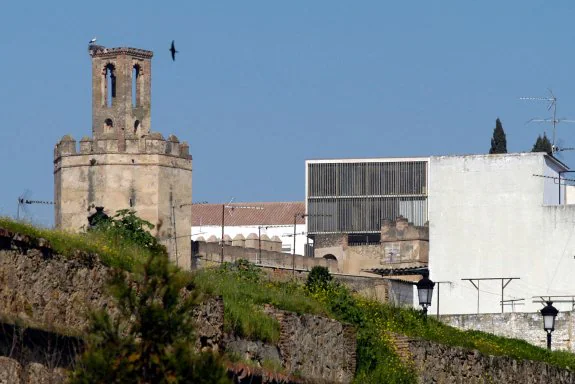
x,y
356,197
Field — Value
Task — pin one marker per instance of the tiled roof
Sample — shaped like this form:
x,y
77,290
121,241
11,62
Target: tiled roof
x,y
404,270
271,214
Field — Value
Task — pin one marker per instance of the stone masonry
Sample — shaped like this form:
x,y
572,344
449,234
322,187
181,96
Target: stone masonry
x,y
438,363
402,245
520,325
124,165
43,289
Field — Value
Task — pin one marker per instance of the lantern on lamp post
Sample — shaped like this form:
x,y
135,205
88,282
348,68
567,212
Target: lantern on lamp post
x,y
549,313
425,292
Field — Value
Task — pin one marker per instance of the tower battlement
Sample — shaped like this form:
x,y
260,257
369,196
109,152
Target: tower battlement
x,y
101,51
152,144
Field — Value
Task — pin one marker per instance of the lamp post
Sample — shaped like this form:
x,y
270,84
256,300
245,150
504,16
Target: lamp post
x,y
425,292
549,313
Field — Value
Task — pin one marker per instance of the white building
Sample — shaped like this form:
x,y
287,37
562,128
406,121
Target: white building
x,y
270,219
495,216
490,216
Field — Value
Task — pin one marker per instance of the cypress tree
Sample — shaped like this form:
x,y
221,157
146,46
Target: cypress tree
x,y
498,142
542,145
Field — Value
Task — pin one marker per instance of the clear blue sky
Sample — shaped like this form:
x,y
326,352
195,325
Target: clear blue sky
x,y
261,86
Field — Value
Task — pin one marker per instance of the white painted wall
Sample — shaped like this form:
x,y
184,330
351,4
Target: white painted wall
x,y
490,217
284,233
570,194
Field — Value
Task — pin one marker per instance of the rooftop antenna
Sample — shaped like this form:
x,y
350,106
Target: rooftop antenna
x,y
24,200
552,105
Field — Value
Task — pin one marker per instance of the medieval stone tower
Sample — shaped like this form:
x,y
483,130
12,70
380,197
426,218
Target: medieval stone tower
x,y
124,165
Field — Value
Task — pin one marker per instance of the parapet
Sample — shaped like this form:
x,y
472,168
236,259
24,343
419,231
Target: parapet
x,y
66,146
402,230
252,241
154,143
101,51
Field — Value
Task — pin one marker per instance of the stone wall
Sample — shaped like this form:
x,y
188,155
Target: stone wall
x,y
12,372
45,289
210,253
525,326
402,245
438,363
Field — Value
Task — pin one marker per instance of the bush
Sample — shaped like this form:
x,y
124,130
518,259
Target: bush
x,y
318,279
129,227
152,339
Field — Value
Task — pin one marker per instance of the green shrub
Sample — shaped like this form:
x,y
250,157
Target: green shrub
x,y
152,339
318,279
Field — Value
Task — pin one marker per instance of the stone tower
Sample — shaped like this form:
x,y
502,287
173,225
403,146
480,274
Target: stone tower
x,y
124,165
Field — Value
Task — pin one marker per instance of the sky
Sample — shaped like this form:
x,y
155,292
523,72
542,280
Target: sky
x,y
260,86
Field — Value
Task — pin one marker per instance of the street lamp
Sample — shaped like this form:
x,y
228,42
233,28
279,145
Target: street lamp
x,y
549,313
425,291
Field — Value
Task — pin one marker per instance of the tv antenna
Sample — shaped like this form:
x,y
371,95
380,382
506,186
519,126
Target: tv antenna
x,y
24,200
552,105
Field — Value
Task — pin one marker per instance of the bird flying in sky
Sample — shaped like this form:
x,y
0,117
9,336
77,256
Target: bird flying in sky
x,y
92,41
173,51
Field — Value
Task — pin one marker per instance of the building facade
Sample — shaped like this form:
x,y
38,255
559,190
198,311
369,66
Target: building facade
x,y
489,216
500,216
267,221
354,196
124,165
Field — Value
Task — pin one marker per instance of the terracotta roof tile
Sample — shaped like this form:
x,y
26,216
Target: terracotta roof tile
x,y
272,214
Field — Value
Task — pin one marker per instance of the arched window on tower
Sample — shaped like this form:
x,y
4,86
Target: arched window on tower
x,y
136,71
110,84
109,125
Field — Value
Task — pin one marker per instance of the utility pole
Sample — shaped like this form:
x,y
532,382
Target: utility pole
x,y
302,215
175,233
191,244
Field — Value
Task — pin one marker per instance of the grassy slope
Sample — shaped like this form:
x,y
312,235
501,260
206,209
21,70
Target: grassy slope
x,y
245,292
112,252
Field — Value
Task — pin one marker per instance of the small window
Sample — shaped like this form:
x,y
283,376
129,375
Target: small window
x,y
109,123
135,86
110,78
136,126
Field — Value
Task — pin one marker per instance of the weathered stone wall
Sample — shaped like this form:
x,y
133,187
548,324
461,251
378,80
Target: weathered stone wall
x,y
210,253
402,245
12,372
316,347
438,363
43,288
525,326
54,292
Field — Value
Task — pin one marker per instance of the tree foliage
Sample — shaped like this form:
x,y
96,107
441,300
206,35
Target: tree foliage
x,y
151,340
543,145
129,227
318,279
499,141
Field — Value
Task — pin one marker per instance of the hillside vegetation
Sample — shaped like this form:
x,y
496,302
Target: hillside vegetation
x,y
245,290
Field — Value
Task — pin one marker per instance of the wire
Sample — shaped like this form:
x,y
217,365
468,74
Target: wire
x,y
560,259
